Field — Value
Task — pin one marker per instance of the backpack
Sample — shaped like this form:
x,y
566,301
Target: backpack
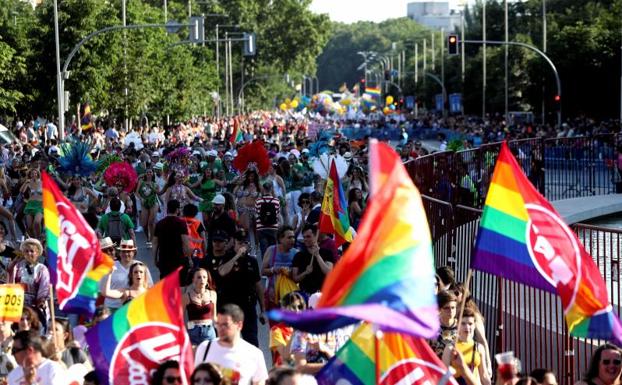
x,y
115,227
267,213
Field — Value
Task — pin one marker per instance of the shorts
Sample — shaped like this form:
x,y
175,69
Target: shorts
x,y
200,333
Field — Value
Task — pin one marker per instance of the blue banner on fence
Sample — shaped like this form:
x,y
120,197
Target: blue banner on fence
x,y
455,103
410,102
439,102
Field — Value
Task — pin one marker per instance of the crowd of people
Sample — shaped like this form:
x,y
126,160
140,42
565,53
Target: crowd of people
x,y
240,218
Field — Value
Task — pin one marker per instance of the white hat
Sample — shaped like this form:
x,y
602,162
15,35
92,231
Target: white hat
x,y
195,152
305,151
212,153
295,152
347,155
159,166
219,200
106,243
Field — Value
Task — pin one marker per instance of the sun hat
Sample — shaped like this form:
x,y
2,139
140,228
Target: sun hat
x,y
106,243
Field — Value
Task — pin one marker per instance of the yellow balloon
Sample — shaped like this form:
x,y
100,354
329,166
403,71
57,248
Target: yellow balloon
x,y
288,100
294,103
389,99
345,102
283,106
386,110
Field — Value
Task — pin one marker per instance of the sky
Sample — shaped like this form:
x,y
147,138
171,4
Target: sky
x,y
350,11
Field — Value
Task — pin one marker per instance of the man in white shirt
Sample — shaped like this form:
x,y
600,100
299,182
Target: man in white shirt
x,y
33,368
239,361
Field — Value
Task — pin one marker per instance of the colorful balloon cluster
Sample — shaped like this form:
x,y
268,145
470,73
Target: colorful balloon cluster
x,y
390,106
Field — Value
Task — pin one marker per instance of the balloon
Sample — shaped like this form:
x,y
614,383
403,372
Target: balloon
x,y
288,100
386,111
345,102
392,107
283,106
389,99
294,103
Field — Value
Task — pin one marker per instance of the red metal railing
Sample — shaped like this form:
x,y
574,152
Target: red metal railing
x,y
526,320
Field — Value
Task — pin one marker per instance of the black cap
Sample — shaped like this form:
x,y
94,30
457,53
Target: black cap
x,y
220,235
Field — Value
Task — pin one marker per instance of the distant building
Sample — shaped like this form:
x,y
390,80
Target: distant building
x,y
435,14
33,3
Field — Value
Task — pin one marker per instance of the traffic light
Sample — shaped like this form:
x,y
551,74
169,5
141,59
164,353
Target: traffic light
x,y
452,44
250,46
557,98
197,29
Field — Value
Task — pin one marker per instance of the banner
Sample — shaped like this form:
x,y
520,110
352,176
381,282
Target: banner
x,y
11,302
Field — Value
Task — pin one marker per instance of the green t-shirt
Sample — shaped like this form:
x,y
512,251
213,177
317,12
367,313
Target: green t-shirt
x,y
126,224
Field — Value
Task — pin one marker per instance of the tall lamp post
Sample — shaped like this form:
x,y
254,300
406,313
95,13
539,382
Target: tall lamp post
x,y
59,87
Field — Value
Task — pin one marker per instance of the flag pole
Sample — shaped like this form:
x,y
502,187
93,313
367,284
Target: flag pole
x,y
464,298
377,337
53,318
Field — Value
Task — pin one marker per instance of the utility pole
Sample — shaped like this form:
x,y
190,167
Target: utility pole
x,y
483,60
443,68
507,80
416,64
433,53
462,59
59,88
165,11
125,89
544,50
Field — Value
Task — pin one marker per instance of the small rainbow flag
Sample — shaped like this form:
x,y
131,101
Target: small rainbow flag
x,y
390,259
75,258
237,135
86,121
374,91
141,335
334,218
401,359
522,238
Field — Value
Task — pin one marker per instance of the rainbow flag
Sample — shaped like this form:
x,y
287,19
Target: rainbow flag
x,y
402,359
236,136
334,218
75,258
86,121
389,261
373,91
522,238
141,335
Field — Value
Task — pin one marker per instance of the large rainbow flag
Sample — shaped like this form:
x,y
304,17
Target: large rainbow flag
x,y
75,258
387,275
522,238
401,359
334,218
141,335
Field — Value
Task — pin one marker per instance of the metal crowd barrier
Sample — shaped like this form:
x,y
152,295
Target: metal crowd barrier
x,y
523,319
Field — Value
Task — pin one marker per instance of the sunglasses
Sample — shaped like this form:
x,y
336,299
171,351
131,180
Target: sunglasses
x,y
615,362
172,379
298,307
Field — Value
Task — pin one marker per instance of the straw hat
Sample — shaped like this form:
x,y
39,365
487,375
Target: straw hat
x,y
106,243
127,245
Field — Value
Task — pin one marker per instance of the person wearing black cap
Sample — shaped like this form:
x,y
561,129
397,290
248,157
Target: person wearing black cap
x,y
238,280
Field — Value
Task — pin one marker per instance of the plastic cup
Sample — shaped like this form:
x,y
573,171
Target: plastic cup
x,y
505,365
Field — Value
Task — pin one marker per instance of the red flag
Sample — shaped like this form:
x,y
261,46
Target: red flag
x,y
75,258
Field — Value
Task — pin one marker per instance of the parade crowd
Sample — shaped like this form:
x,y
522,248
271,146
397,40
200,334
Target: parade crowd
x,y
235,204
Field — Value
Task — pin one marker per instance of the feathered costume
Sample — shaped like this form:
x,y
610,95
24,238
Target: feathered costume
x,y
121,174
252,155
179,161
76,158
